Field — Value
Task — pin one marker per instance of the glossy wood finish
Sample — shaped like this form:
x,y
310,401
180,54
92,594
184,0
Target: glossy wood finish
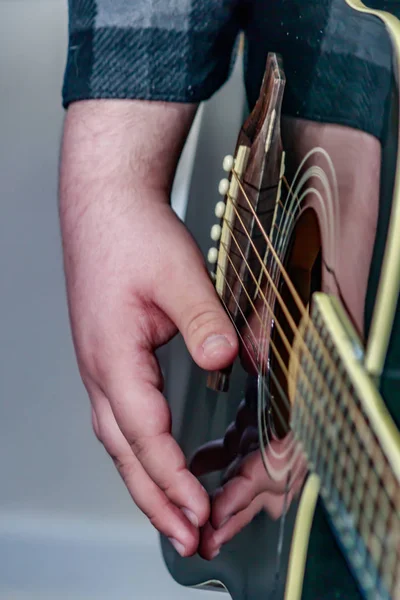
x,y
336,246
260,174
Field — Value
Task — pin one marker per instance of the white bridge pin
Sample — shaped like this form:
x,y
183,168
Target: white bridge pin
x,y
227,163
212,256
223,187
220,209
215,232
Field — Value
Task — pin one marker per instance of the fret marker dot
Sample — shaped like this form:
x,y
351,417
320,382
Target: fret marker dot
x,y
212,256
223,187
216,232
220,209
227,163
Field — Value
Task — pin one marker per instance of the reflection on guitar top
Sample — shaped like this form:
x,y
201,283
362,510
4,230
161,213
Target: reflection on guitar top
x,y
303,467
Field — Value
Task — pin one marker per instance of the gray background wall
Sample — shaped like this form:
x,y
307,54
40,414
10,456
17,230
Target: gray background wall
x,y
62,505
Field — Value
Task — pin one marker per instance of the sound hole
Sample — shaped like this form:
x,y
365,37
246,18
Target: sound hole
x,y
303,264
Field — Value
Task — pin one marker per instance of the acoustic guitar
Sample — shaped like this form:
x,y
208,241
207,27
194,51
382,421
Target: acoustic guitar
x,y
298,443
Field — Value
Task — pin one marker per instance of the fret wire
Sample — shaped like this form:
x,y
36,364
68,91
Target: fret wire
x,y
370,496
366,522
365,468
365,526
365,442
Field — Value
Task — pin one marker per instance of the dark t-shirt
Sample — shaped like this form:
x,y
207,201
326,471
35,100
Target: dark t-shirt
x,y
337,60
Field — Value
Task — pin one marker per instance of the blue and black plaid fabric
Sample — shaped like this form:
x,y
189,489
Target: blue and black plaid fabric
x,y
337,61
178,50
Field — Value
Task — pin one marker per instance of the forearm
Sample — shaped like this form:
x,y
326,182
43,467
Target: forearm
x,y
131,144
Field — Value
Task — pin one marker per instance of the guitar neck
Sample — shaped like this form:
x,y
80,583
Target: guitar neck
x,y
352,444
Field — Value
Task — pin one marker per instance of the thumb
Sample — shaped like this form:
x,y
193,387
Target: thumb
x,y
194,306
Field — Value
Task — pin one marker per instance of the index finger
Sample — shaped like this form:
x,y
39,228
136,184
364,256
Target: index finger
x,y
144,418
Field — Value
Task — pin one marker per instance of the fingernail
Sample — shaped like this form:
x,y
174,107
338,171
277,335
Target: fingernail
x,y
191,516
214,344
180,548
215,553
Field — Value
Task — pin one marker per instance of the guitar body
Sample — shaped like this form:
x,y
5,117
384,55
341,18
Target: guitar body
x,y
332,238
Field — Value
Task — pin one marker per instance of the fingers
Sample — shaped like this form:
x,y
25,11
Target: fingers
x,y
143,416
213,539
163,514
240,491
240,499
144,419
193,305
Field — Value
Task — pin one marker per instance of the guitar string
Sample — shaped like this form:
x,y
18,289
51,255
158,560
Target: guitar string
x,y
284,425
329,473
323,347
288,213
299,303
257,367
291,212
280,299
265,270
261,293
283,337
295,330
274,271
280,360
282,270
258,314
276,352
263,351
296,299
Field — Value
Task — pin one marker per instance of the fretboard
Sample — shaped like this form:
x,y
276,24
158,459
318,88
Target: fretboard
x,y
352,444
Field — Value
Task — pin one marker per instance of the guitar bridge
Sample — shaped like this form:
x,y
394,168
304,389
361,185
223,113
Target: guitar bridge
x,y
250,197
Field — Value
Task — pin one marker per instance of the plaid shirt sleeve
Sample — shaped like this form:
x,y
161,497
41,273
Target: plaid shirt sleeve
x,y
173,50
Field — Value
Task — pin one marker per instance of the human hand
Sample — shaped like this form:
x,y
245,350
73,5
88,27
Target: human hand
x,y
246,487
134,278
